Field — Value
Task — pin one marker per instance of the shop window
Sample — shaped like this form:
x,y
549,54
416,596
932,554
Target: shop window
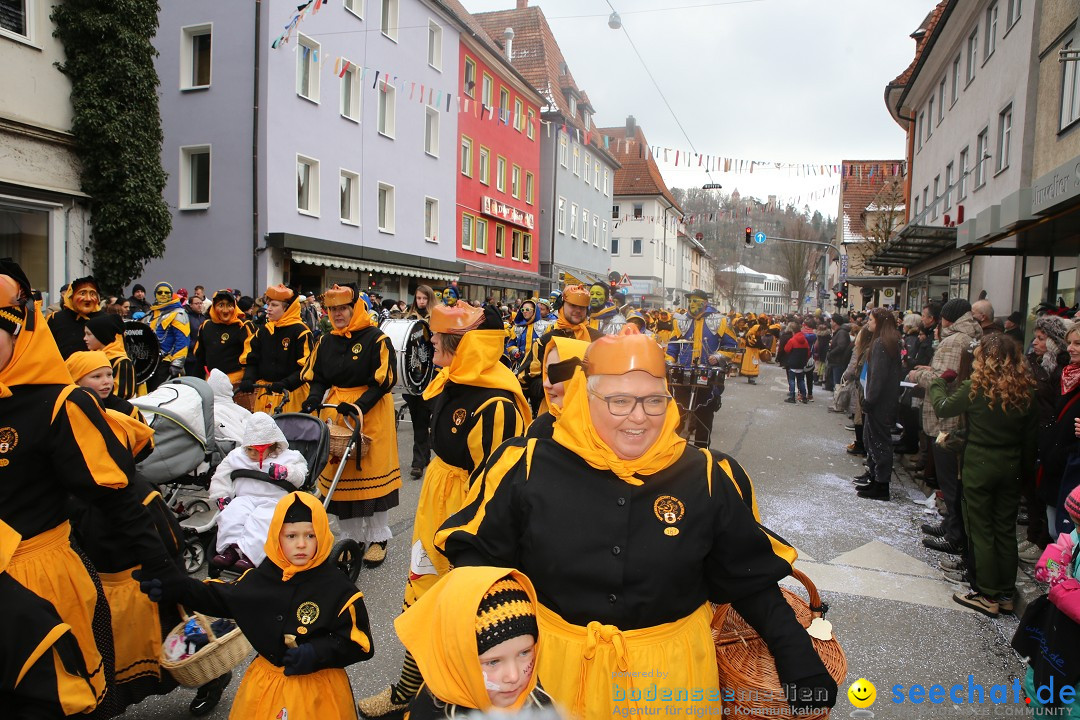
x,y
24,237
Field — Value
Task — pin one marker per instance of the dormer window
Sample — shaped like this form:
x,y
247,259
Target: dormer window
x,y
573,106
585,118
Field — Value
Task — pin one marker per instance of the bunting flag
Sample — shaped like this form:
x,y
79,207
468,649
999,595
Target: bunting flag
x,y
301,11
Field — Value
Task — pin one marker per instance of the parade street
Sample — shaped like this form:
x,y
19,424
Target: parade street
x,y
888,603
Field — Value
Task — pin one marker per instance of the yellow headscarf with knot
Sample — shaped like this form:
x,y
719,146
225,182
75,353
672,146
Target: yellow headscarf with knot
x,y
477,363
568,349
575,432
319,521
440,632
361,316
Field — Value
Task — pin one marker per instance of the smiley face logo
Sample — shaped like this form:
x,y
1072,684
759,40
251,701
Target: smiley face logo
x,y
862,693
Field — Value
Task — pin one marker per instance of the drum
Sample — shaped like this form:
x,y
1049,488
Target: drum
x,y
708,375
411,339
142,347
678,375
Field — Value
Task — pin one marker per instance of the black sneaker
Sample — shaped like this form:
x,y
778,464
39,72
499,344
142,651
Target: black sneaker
x,y
874,491
209,695
934,530
942,545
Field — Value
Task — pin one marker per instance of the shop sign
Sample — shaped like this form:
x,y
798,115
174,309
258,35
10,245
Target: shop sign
x,y
1056,187
491,206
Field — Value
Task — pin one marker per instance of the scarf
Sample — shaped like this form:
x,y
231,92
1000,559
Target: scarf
x,y
35,360
477,363
575,432
569,350
360,320
322,533
236,319
581,332
81,364
440,632
1070,378
291,316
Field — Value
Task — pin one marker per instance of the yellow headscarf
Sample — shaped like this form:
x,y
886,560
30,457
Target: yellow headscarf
x,y
35,359
361,319
440,632
81,364
291,316
581,331
322,533
567,348
575,432
476,363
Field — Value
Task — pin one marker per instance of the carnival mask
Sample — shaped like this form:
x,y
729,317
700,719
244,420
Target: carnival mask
x,y
597,298
697,306
86,300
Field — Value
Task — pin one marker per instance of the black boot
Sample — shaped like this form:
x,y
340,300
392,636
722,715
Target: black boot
x,y
208,696
875,491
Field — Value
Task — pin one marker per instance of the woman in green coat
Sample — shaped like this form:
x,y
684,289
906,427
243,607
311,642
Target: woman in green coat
x,y
998,401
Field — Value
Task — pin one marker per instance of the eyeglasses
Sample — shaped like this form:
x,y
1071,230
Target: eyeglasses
x,y
623,405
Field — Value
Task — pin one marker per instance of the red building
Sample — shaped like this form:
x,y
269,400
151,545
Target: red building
x,y
498,205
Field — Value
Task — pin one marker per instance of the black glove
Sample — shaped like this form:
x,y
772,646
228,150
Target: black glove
x,y
301,661
164,585
278,387
310,405
175,371
246,386
809,694
348,409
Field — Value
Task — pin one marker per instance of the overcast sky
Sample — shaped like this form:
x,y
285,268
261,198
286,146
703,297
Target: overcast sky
x,y
777,80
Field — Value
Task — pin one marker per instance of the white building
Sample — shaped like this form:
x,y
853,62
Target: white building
x,y
748,290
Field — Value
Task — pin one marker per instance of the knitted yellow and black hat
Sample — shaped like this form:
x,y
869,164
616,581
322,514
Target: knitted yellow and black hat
x,y
505,612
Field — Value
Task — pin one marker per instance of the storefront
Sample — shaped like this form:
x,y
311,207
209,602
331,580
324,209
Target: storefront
x,y
480,281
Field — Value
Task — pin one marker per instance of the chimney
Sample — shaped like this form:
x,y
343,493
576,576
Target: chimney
x,y
631,126
508,43
522,4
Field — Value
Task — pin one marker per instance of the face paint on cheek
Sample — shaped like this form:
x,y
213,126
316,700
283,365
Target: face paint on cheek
x,y
493,687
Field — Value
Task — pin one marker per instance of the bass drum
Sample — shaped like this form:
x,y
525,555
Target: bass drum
x,y
141,346
411,339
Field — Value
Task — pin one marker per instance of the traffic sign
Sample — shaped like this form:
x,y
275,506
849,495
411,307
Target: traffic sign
x,y
759,237
625,281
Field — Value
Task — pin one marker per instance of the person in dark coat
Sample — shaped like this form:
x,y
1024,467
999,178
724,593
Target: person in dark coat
x,y
881,400
137,302
839,353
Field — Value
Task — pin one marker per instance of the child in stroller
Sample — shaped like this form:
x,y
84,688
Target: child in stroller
x,y
247,486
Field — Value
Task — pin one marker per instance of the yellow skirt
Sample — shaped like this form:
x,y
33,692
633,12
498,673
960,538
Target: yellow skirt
x,y
46,565
380,472
136,627
751,362
442,494
599,671
267,402
266,693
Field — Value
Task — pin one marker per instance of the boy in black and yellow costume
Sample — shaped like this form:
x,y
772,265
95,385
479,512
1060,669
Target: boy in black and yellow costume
x,y
355,364
630,535
106,333
277,353
475,639
222,338
55,441
302,615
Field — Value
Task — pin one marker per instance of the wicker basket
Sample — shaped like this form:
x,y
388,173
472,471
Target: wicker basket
x,y
218,657
340,436
747,668
245,400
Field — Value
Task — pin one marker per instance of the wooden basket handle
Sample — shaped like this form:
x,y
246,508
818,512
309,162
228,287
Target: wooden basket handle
x,y
817,608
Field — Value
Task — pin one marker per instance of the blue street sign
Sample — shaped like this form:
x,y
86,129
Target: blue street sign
x,y
759,237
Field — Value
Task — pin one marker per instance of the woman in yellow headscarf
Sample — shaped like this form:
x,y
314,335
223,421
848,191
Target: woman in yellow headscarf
x,y
277,353
353,366
628,534
476,404
561,359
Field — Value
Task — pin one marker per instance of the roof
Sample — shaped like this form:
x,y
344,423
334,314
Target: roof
x,y
744,270
639,174
924,36
862,181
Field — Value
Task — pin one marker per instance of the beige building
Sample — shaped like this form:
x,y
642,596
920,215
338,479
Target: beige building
x,y
44,218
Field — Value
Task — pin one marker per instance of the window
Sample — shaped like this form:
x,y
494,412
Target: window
x,y
485,165
596,230
480,240
500,173
349,200
387,110
603,235
307,69
961,190
919,127
434,45
585,226
930,118
350,93
519,115
526,247
937,194
530,129
915,208
573,220
561,225
504,106
470,77
596,174
941,101
614,246
307,185
356,7
955,79
635,246
585,117
386,208
1004,138
389,20
981,153
515,244
972,54
607,180
1013,12
16,16
529,188
487,90
573,106
926,198
500,240
562,149
195,177
639,210
577,160
1070,91
588,163
515,181
948,187
614,212
431,131
195,56
467,224
466,156
991,30
431,219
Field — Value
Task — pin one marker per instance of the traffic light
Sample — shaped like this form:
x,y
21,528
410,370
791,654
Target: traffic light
x,y
749,240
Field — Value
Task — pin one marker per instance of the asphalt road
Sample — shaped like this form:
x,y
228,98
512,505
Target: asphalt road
x,y
889,606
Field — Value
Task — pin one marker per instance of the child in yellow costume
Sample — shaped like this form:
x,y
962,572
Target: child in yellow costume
x,y
302,615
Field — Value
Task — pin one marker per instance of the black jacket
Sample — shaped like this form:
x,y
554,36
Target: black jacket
x,y
839,354
881,396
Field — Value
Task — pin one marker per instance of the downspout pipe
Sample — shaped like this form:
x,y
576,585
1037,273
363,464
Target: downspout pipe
x,y
255,152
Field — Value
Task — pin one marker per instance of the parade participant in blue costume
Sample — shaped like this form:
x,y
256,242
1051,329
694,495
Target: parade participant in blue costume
x,y
705,337
526,331
450,296
170,322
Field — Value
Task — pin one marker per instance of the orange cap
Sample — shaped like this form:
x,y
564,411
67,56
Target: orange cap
x,y
576,295
457,319
279,293
338,295
10,292
620,354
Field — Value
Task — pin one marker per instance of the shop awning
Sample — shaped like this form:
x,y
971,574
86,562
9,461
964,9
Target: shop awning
x,y
343,263
913,244
875,281
484,274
